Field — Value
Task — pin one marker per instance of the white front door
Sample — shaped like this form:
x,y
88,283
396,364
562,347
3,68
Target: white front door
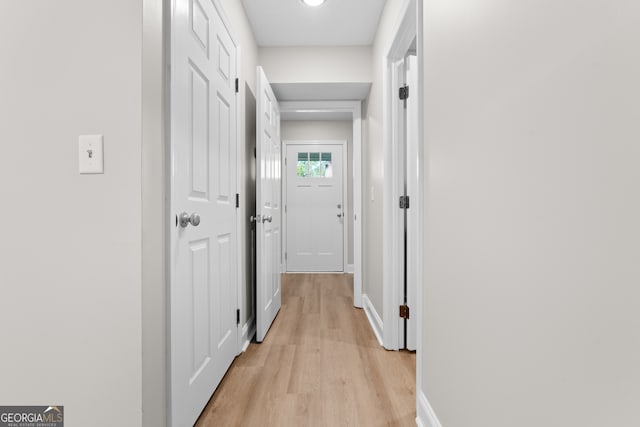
x,y
315,207
268,207
203,287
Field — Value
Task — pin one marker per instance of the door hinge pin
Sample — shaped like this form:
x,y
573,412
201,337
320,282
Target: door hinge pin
x,y
404,92
237,85
404,311
404,202
237,200
237,316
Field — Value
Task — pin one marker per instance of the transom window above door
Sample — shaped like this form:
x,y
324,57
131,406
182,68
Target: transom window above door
x,y
315,165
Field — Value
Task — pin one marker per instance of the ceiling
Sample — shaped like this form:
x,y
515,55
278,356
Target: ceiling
x,y
335,23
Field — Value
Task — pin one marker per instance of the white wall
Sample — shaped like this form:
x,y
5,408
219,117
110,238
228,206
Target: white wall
x,y
335,64
532,236
337,130
71,246
373,162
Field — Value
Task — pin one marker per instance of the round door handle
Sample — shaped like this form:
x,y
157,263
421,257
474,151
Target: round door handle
x,y
185,219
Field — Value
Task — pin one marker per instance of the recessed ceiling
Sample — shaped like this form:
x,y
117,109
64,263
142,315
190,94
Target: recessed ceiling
x,y
334,23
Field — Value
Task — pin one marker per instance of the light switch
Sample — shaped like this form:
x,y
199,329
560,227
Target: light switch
x,y
90,154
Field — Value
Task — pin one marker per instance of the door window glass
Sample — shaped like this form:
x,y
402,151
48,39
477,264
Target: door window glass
x,y
315,165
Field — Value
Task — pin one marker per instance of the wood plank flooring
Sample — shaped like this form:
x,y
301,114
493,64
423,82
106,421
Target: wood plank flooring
x,y
320,365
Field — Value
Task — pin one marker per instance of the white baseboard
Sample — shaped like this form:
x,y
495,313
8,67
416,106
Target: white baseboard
x,y
248,330
374,318
350,268
426,417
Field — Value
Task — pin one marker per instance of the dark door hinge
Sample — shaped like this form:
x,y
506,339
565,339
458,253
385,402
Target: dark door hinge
x,y
237,200
404,92
404,311
237,316
237,85
404,202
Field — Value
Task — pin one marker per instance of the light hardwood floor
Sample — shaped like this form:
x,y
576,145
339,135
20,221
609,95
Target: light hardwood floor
x,y
320,365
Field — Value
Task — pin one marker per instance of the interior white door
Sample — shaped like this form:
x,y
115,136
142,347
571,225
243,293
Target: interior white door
x,y
315,207
203,288
268,207
413,177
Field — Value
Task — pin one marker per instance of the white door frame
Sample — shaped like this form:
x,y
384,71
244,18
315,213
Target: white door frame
x,y
345,159
409,25
404,34
355,108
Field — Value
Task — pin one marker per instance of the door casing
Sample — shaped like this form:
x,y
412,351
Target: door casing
x,y
407,28
404,34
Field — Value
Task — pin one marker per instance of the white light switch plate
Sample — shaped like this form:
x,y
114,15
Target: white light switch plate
x,y
90,154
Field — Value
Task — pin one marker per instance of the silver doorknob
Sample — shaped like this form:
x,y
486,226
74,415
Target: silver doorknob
x,y
266,218
186,219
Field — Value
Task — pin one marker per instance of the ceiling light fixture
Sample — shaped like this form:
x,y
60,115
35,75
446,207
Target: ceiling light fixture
x,y
313,3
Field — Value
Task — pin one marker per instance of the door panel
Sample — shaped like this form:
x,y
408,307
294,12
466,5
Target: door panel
x,y
203,263
269,250
315,207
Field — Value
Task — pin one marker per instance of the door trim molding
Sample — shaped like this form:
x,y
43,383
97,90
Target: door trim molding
x,y
404,32
355,108
408,26
241,212
345,159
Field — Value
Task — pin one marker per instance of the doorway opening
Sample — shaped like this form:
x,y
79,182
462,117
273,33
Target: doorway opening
x,y
344,111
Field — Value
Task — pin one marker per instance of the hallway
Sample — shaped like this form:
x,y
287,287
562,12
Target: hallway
x,y
320,365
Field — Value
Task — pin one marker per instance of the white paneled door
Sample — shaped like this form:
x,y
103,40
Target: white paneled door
x,y
315,207
203,289
268,206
